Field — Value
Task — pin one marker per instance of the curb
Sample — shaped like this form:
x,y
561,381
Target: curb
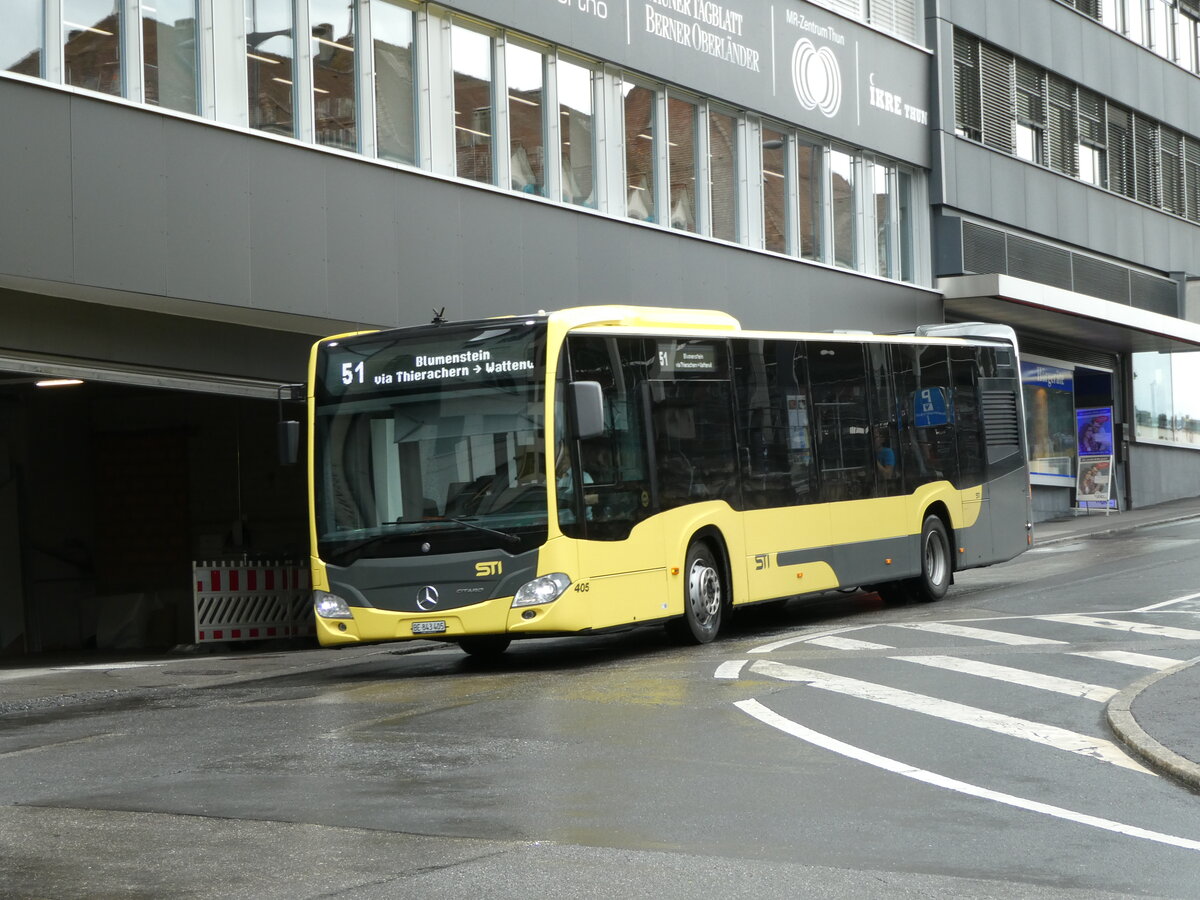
x,y
1120,719
1116,527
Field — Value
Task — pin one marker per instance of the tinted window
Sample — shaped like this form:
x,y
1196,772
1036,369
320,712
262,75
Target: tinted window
x,y
842,428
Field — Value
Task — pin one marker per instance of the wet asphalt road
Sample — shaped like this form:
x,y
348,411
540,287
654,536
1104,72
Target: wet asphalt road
x,y
901,753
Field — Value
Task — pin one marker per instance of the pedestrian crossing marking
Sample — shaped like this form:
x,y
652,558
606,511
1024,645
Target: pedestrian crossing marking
x,y
1037,732
1141,660
1068,686
841,643
979,634
1183,634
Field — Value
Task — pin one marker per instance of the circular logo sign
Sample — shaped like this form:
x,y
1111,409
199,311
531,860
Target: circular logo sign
x,y
816,77
427,598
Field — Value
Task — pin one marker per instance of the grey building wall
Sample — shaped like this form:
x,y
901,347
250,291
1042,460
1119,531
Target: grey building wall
x,y
990,184
132,207
1159,474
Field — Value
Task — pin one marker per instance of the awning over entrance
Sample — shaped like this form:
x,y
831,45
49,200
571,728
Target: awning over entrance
x,y
1065,316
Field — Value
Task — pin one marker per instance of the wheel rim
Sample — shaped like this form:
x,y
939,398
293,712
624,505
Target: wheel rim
x,y
704,592
935,559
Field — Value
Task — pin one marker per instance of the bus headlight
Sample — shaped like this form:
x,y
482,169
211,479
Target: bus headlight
x,y
331,606
544,589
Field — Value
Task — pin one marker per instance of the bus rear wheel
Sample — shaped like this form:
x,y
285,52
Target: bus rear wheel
x,y
704,596
936,562
485,645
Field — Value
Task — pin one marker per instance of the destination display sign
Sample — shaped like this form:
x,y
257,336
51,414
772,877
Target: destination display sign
x,y
686,358
430,362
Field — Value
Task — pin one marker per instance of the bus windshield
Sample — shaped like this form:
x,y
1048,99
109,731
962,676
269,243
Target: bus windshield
x,y
431,442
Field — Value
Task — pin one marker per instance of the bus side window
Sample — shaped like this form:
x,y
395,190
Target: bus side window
x,y
838,379
964,367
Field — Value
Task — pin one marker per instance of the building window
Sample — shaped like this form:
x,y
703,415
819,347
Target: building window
x,y
810,185
967,106
1161,18
1185,40
335,73
1146,162
525,72
844,203
1031,113
1171,143
882,187
682,116
1063,141
1120,150
21,38
1191,178
395,97
92,45
723,175
1092,158
641,151
577,132
169,54
776,221
471,56
270,83
908,225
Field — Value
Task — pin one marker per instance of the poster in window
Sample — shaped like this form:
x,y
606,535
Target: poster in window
x,y
1094,483
1094,428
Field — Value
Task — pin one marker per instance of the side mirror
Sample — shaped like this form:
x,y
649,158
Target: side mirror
x,y
288,436
587,405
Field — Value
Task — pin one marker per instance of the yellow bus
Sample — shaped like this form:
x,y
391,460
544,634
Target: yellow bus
x,y
600,468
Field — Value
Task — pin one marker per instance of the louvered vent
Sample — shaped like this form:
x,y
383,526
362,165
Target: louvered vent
x,y
1039,262
983,250
1154,294
1001,424
1100,279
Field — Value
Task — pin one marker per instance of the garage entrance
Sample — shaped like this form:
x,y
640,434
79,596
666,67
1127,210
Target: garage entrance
x,y
113,482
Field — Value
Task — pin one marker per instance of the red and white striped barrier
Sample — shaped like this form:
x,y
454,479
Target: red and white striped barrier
x,y
244,601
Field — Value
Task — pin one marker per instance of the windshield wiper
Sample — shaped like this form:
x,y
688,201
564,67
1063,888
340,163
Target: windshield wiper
x,y
511,539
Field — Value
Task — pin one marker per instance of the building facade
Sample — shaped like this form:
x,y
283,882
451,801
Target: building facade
x,y
1066,202
200,188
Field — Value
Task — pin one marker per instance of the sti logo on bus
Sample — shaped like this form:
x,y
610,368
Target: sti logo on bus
x,y
484,569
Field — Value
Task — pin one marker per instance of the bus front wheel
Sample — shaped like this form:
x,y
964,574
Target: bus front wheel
x,y
484,644
936,562
704,596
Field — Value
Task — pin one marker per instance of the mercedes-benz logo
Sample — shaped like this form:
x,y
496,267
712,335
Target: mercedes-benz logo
x,y
427,598
816,77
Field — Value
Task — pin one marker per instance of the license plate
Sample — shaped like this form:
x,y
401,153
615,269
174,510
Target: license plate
x,y
436,627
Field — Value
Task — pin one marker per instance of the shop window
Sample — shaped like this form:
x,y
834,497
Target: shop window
x,y
775,184
723,175
525,71
641,151
577,132
92,44
395,97
1049,418
270,83
1165,402
21,38
335,73
169,54
682,117
471,55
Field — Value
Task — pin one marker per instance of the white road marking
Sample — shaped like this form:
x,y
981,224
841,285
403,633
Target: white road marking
x,y
1067,686
1141,660
800,639
979,634
1155,606
841,643
730,669
787,726
1037,732
1183,634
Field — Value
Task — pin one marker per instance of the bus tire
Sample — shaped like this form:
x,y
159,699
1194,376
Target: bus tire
x,y
705,593
937,564
484,645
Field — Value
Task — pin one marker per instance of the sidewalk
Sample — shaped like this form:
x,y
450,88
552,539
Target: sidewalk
x,y
1148,716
